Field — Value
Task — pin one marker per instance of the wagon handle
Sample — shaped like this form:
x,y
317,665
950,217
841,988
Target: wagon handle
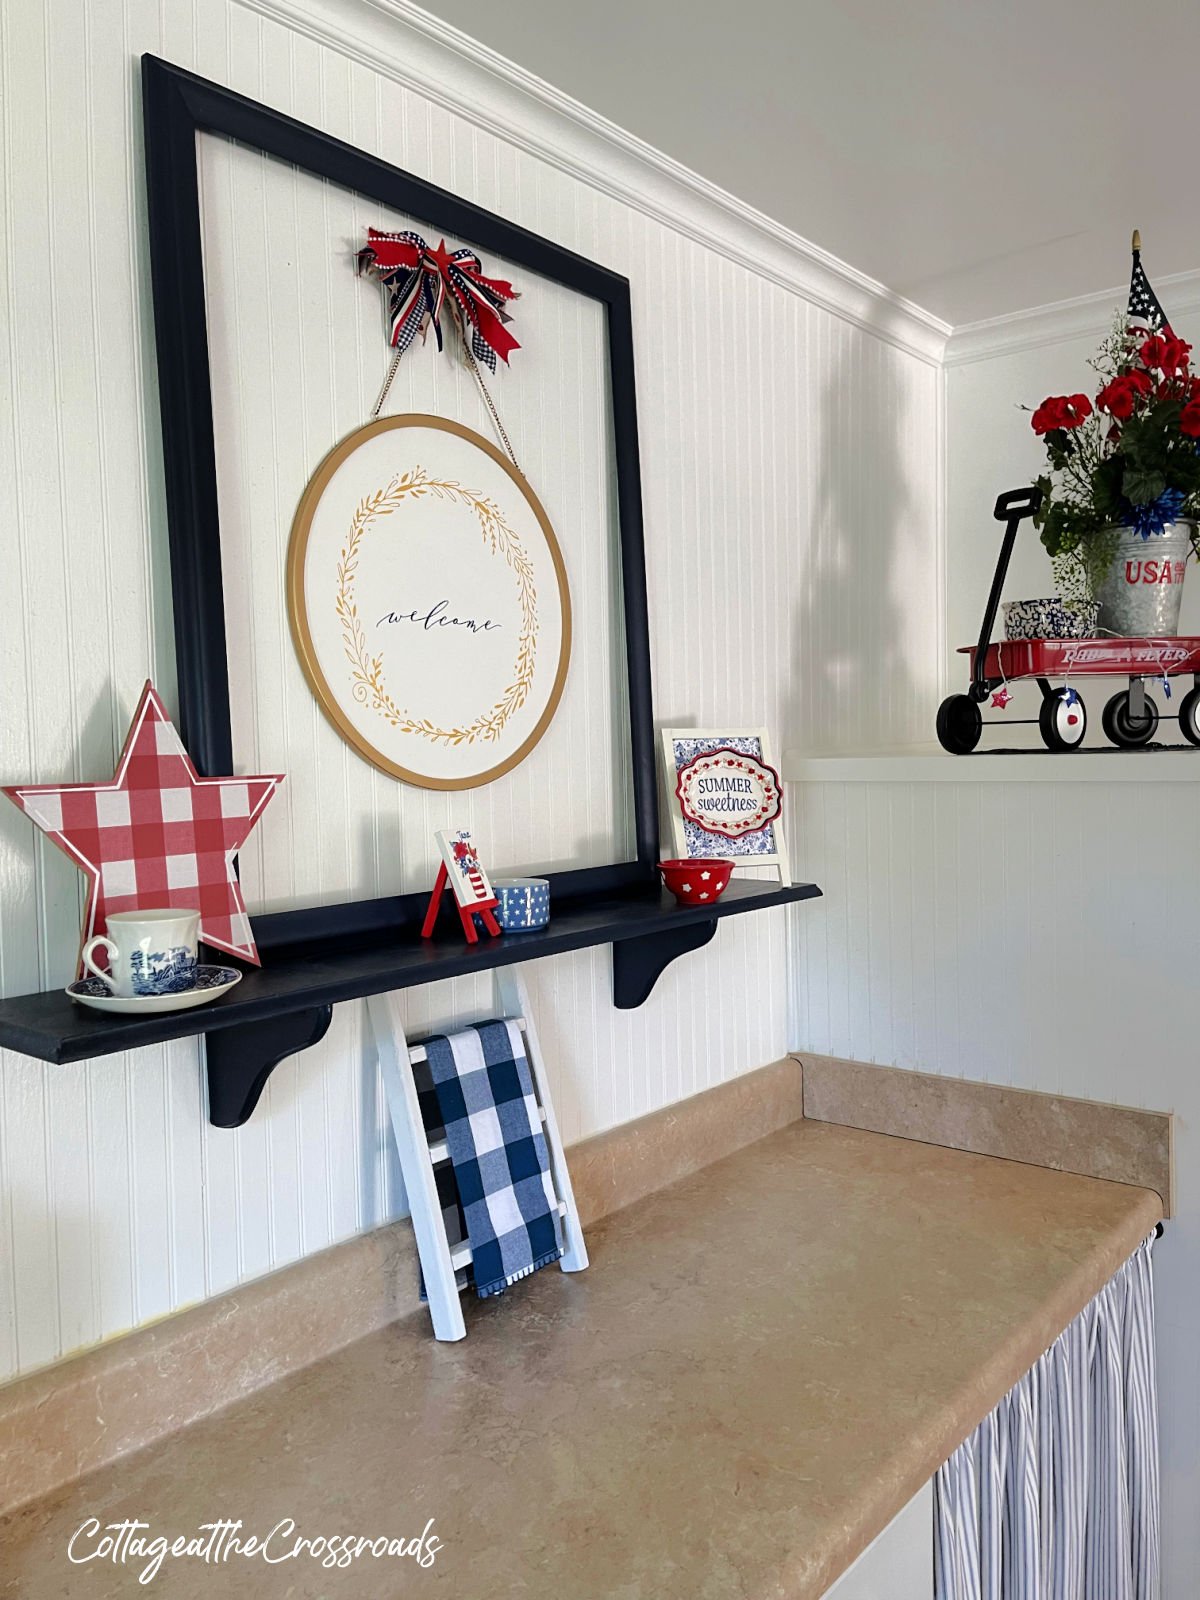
x,y
1018,504
1011,508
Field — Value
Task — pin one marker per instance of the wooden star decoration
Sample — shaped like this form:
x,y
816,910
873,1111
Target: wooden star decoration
x,y
158,835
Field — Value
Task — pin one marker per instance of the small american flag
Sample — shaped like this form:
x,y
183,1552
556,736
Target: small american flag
x,y
1146,315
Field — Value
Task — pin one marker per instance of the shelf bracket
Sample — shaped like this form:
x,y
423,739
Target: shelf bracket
x,y
638,963
242,1058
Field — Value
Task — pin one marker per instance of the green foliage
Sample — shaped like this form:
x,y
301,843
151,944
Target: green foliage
x,y
1065,524
1141,485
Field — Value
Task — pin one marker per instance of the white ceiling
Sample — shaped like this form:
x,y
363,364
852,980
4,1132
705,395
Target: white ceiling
x,y
977,156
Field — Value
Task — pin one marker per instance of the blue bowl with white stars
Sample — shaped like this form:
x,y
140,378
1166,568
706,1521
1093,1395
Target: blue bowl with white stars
x,y
524,903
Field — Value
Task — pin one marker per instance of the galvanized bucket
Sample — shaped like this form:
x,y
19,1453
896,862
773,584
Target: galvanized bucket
x,y
1142,591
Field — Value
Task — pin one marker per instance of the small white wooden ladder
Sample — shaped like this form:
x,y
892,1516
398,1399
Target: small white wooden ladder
x,y
418,1157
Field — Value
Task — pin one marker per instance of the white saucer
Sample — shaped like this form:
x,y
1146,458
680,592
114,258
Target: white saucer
x,y
210,983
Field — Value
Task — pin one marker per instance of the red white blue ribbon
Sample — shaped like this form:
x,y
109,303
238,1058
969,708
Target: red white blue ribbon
x,y
422,283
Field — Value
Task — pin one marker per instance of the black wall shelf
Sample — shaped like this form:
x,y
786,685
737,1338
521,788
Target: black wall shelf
x,y
286,1005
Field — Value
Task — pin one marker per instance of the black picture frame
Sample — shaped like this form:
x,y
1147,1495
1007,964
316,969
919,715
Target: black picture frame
x,y
177,106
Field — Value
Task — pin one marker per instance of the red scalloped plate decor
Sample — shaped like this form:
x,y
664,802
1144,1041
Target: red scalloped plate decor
x,y
726,791
698,881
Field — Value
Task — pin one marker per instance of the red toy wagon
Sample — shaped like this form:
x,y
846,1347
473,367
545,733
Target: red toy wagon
x,y
1130,717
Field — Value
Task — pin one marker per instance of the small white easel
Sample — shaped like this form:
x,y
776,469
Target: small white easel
x,y
418,1158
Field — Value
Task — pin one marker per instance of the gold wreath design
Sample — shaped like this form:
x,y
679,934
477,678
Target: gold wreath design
x,y
367,674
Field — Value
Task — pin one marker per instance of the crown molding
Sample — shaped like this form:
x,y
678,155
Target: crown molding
x,y
1085,316
403,42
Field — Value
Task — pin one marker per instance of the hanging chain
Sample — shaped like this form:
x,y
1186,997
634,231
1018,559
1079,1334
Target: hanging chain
x,y
483,389
387,384
491,405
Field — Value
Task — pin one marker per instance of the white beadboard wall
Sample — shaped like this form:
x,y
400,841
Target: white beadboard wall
x,y
790,473
1041,935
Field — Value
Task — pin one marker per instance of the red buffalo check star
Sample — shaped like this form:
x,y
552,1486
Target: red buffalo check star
x,y
159,834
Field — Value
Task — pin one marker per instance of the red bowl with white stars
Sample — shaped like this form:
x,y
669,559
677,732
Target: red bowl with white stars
x,y
696,882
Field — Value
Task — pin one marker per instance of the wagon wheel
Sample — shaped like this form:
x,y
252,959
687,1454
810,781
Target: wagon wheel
x,y
1189,716
1125,730
1062,720
959,724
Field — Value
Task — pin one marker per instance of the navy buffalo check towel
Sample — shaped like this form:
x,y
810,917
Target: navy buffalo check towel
x,y
485,1102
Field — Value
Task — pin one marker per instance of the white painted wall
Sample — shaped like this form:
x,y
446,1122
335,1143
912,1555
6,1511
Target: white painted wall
x,y
1042,935
791,495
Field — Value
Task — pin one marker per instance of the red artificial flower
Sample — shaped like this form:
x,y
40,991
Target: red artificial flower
x,y
1189,419
1166,353
1118,398
1153,349
1061,411
1120,395
1175,356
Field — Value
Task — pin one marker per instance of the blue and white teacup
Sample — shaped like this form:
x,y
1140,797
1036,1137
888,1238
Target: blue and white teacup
x,y
149,952
524,903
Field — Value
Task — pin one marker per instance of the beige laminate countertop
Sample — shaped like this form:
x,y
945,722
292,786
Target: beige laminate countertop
x,y
764,1362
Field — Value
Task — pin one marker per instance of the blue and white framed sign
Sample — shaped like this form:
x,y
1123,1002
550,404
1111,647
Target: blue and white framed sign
x,y
742,786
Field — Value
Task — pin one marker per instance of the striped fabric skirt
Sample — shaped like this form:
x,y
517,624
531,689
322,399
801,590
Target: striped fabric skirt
x,y
1055,1495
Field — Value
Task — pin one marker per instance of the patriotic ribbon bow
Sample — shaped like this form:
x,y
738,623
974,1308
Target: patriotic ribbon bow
x,y
421,283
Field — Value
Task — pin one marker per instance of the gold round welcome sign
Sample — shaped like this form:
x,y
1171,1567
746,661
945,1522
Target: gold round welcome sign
x,y
429,602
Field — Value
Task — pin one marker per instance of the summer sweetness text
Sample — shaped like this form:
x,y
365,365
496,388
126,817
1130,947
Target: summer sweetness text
x,y
727,794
